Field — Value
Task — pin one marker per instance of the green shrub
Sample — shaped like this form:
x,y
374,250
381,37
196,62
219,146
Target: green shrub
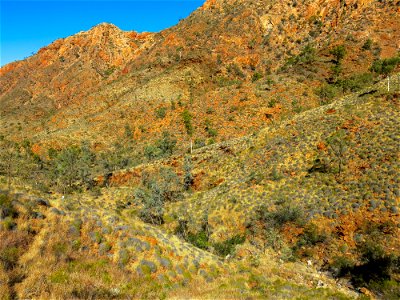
x,y
272,103
72,167
306,56
286,214
227,247
161,112
187,121
188,176
385,66
152,152
8,223
312,236
339,52
355,83
128,131
6,207
235,70
342,266
256,76
163,147
367,45
109,71
166,144
200,239
9,257
326,93
155,191
198,143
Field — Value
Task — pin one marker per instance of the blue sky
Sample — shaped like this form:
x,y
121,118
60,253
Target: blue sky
x,y
26,26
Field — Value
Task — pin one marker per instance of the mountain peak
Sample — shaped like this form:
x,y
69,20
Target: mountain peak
x,y
105,27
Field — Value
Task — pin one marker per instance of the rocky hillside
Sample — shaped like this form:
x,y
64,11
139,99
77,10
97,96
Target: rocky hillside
x,y
234,65
295,209
251,151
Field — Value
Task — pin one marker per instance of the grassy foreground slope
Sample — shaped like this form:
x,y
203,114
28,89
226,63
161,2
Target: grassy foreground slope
x,y
307,208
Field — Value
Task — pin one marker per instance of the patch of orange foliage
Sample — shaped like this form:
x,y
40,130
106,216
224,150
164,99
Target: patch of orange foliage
x,y
36,148
321,146
153,241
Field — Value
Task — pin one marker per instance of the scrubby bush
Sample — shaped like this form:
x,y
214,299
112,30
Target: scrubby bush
x,y
326,93
227,247
187,121
163,147
161,112
285,213
128,131
339,52
288,213
355,83
6,207
256,76
151,152
385,66
72,168
188,176
209,129
9,257
155,191
198,143
306,56
367,45
312,236
235,70
199,239
166,144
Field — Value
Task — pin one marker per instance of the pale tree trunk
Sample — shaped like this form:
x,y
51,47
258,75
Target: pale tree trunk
x,y
388,83
191,145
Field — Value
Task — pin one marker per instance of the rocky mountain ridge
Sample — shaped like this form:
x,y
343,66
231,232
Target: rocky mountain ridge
x,y
224,50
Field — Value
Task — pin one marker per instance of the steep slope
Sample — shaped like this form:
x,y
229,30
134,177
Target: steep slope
x,y
273,215
65,73
233,64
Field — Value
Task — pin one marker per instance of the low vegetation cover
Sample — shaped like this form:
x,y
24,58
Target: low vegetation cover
x,y
249,152
223,223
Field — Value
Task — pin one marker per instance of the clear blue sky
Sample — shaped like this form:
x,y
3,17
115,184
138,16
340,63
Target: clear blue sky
x,y
26,26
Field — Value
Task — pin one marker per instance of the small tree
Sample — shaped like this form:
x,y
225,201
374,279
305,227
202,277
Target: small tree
x,y
385,67
87,161
155,191
66,169
72,167
187,121
166,144
338,143
339,52
188,177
